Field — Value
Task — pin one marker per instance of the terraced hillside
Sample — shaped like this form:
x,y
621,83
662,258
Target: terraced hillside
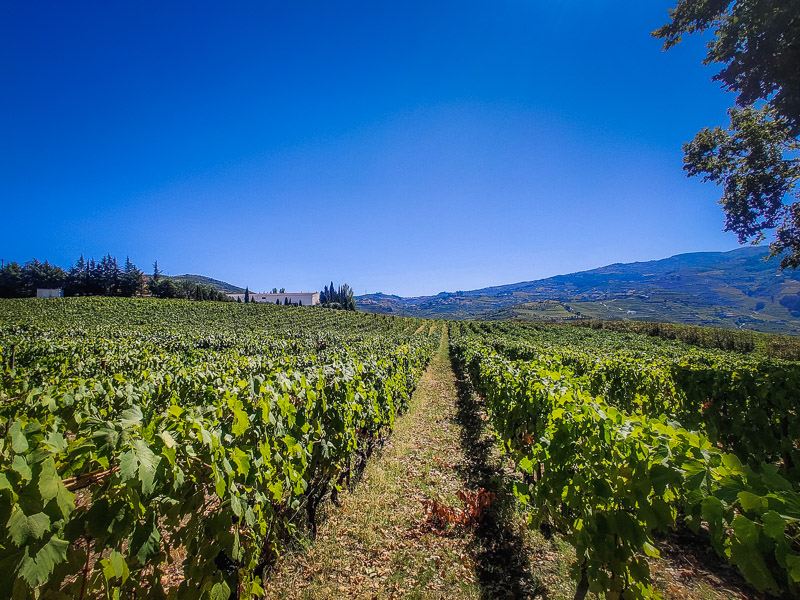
x,y
736,289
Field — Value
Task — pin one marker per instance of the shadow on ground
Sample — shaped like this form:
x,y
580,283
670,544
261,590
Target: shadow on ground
x,y
692,555
503,569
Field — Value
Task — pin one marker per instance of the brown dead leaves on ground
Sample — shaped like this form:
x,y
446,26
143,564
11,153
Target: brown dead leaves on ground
x,y
440,515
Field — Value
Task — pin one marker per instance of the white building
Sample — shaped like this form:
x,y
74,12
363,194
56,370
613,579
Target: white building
x,y
300,298
49,293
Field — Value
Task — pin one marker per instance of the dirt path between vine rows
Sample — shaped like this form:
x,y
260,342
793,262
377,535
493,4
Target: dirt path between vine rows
x,y
396,533
383,542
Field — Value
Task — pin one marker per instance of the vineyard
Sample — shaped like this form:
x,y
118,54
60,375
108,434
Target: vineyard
x,y
138,431
143,438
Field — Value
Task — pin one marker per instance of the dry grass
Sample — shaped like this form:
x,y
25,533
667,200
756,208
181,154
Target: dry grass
x,y
378,544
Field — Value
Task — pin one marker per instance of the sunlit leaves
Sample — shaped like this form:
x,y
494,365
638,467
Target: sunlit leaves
x,y
140,463
52,487
609,479
147,440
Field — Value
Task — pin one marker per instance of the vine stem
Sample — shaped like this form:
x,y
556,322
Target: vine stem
x,y
86,567
583,584
87,479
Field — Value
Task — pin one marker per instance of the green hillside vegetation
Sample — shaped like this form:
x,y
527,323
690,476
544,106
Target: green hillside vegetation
x,y
223,286
756,343
773,318
664,308
541,310
107,277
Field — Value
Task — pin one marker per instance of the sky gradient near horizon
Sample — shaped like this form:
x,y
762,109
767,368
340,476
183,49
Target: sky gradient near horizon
x,y
408,148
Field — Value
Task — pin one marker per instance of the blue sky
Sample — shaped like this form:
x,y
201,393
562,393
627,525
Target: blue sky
x,y
406,147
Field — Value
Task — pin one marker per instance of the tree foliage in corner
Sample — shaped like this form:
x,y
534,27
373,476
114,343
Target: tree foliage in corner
x,y
341,298
755,160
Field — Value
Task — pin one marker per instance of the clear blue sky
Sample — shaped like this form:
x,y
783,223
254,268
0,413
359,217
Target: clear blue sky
x,y
405,147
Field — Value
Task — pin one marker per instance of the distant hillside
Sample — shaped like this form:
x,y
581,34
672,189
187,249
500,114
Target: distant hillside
x,y
220,285
736,289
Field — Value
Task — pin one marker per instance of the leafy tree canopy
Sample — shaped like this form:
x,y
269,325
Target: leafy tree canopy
x,y
99,278
755,160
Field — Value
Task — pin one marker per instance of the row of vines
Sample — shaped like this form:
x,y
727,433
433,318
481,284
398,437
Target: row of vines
x,y
620,436
140,439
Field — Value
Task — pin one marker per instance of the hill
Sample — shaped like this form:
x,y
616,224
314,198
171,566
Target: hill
x,y
220,285
736,289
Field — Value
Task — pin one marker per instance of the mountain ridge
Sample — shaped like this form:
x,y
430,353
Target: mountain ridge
x,y
735,289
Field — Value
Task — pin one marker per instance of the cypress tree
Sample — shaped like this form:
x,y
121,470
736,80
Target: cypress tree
x,y
76,279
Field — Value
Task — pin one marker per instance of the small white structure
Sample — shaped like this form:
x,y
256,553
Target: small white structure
x,y
299,298
49,293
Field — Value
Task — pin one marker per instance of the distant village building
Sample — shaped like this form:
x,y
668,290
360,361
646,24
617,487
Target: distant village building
x,y
49,293
299,298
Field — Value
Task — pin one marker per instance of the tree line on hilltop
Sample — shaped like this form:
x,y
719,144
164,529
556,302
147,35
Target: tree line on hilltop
x,y
107,278
99,278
